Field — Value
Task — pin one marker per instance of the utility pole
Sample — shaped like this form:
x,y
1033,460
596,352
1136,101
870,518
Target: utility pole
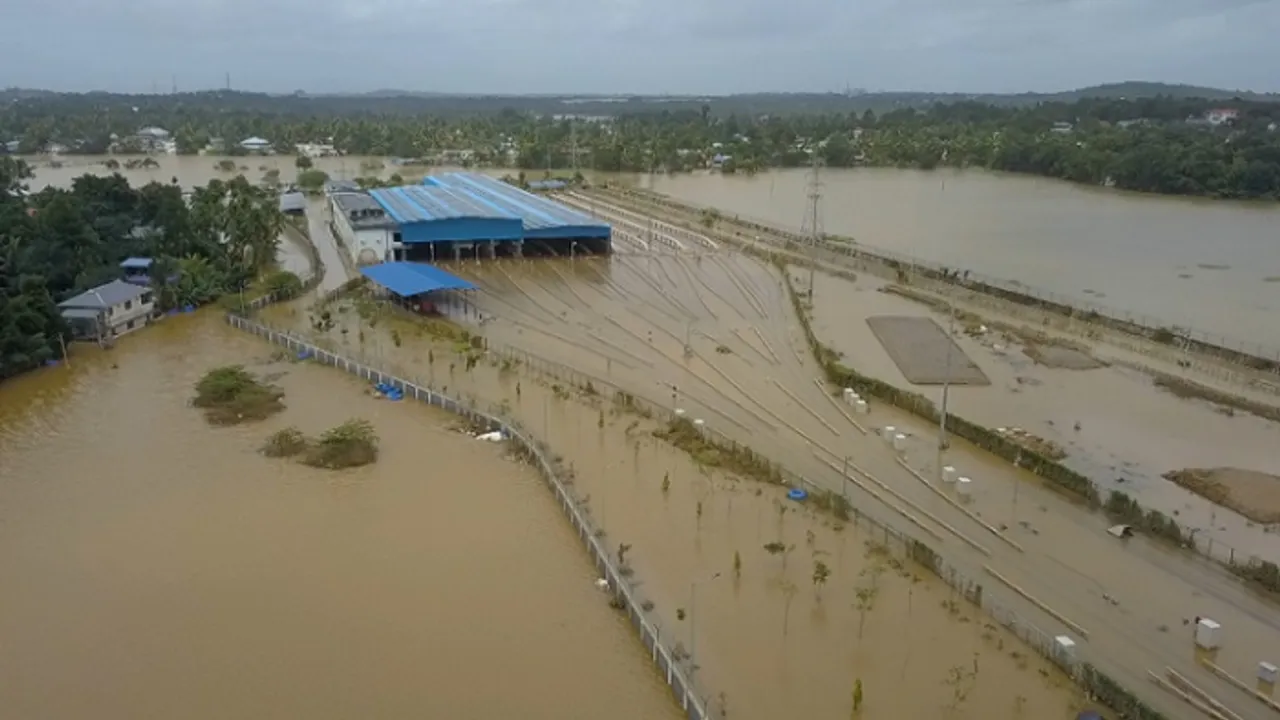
x,y
573,143
946,387
812,225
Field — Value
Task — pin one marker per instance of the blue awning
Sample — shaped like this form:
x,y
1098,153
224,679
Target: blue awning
x,y
407,279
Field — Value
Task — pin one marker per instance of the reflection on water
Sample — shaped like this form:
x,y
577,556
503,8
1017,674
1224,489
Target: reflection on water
x,y
156,567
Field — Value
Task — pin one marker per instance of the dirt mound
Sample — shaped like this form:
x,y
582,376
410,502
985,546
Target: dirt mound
x,y
1253,494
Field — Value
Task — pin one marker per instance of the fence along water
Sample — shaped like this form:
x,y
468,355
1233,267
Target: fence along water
x,y
624,593
901,545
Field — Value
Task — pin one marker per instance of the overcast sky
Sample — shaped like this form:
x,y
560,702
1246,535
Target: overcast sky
x,y
637,46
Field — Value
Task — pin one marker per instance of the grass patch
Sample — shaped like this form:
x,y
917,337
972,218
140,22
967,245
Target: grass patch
x,y
230,395
682,433
351,444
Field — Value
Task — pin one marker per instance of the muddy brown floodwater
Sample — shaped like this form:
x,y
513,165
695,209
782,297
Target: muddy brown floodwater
x,y
770,641
156,567
747,372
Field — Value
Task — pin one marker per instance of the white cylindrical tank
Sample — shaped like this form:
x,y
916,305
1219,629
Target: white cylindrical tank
x,y
948,474
679,412
964,487
849,395
889,432
700,425
899,442
861,407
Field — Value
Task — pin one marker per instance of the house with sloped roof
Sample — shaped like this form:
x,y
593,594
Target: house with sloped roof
x,y
109,310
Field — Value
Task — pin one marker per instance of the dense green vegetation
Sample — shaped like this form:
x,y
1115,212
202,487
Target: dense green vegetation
x,y
230,395
1154,144
58,242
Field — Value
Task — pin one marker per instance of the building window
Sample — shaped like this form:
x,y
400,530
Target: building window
x,y
128,325
128,304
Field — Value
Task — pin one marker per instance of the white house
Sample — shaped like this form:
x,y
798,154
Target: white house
x,y
256,145
364,228
1218,116
109,310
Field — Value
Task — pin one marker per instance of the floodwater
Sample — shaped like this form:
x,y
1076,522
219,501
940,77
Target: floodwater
x,y
157,567
1130,433
1162,260
769,642
625,320
1205,264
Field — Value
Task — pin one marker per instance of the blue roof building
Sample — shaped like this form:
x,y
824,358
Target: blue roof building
x,y
465,211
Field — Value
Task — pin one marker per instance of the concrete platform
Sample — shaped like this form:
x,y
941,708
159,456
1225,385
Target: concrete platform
x,y
918,346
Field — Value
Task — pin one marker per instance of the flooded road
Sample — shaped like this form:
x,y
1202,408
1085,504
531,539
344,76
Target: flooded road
x,y
626,319
1206,264
157,567
767,640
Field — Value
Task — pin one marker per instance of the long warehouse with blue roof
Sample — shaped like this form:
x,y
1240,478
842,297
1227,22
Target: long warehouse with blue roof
x,y
460,215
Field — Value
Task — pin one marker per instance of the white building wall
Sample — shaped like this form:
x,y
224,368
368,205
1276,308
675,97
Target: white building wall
x,y
127,317
368,246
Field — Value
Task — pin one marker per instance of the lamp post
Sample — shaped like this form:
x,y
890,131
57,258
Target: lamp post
x,y
693,623
946,388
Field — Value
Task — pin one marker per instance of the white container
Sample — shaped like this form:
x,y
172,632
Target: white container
x,y
964,487
861,407
1065,647
679,413
888,432
1267,673
899,442
700,425
948,474
1208,634
849,395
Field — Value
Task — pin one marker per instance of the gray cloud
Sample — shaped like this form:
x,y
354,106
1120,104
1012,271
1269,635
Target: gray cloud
x,y
681,46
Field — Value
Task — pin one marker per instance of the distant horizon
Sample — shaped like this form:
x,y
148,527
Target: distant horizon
x,y
599,95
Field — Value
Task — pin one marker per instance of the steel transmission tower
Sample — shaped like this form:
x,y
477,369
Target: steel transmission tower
x,y
811,227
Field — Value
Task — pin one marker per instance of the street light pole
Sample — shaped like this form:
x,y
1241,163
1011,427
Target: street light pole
x,y
946,388
693,625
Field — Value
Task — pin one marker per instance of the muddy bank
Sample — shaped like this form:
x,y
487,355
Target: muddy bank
x,y
157,567
1255,495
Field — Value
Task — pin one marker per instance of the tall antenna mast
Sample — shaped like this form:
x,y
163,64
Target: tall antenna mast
x,y
228,81
812,225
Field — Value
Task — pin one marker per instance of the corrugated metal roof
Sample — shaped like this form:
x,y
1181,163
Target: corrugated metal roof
x,y
136,263
104,296
408,279
466,195
537,212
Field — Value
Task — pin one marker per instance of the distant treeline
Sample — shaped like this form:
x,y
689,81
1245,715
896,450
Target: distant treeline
x,y
1163,143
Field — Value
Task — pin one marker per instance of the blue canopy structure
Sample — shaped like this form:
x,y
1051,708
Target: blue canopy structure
x,y
407,279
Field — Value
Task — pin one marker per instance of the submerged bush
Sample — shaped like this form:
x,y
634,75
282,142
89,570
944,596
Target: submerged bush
x,y
231,394
351,444
286,443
